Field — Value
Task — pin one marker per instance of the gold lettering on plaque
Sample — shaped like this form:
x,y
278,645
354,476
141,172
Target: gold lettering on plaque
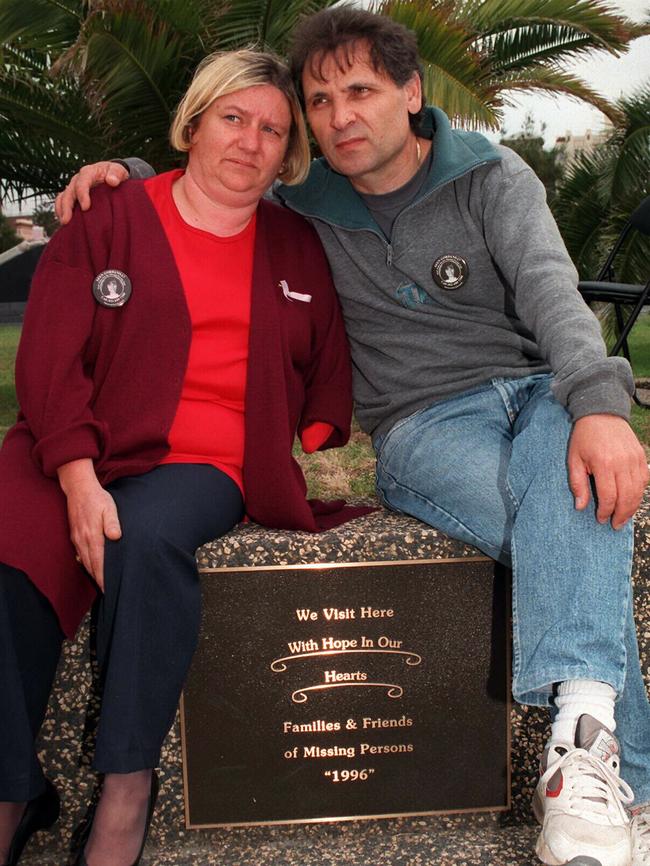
x,y
331,645
402,722
384,642
390,749
303,646
345,676
339,613
376,613
328,752
392,689
306,614
334,643
280,664
316,727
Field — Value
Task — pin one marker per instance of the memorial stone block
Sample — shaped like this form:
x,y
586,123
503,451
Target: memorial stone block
x,y
347,689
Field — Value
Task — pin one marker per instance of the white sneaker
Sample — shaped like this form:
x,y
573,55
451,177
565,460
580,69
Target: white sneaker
x,y
640,836
580,801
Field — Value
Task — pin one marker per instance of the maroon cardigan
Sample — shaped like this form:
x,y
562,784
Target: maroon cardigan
x,y
105,382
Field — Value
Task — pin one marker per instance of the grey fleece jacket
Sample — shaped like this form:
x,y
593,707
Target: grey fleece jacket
x,y
517,313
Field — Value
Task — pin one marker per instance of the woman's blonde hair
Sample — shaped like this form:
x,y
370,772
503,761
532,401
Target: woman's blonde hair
x,y
227,72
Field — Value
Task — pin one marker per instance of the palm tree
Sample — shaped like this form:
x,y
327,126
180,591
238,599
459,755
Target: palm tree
x,y
597,195
601,189
548,165
8,237
85,79
479,53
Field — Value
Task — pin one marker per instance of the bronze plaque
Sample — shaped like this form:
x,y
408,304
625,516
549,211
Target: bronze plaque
x,y
332,692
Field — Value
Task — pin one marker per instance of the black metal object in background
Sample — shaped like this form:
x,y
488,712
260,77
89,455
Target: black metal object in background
x,y
622,295
17,267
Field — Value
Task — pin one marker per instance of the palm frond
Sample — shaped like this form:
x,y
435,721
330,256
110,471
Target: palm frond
x,y
265,23
453,73
582,209
57,23
553,81
522,46
601,190
105,75
605,27
463,104
633,164
36,165
282,17
45,131
133,74
59,112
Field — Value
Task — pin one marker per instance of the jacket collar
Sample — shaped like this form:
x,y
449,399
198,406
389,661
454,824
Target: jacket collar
x,y
329,196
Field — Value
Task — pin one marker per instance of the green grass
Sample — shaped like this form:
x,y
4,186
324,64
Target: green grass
x,y
346,473
9,335
640,423
639,343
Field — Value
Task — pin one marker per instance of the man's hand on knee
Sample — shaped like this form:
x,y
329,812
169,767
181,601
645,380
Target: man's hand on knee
x,y
605,447
78,190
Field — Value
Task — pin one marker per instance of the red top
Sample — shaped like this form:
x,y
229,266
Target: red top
x,y
104,383
216,274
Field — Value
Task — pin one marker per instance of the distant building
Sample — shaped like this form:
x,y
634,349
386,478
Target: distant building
x,y
571,145
25,228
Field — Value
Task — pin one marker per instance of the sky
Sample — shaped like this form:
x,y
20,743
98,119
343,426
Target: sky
x,y
610,76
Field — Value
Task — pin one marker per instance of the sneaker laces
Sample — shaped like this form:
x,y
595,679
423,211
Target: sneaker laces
x,y
591,786
643,823
641,836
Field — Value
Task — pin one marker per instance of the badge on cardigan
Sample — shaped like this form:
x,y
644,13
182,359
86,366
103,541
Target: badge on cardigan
x,y
293,296
112,288
450,272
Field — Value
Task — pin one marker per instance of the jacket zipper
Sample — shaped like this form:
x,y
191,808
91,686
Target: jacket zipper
x,y
389,248
439,186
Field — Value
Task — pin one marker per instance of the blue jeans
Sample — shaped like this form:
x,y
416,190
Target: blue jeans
x,y
489,467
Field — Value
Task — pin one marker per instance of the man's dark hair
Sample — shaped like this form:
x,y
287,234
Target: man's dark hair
x,y
337,33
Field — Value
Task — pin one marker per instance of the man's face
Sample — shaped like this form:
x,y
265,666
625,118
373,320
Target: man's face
x,y
360,118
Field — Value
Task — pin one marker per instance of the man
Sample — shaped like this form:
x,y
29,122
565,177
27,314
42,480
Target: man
x,y
484,383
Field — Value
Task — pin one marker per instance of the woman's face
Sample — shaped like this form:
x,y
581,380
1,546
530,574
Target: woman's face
x,y
240,142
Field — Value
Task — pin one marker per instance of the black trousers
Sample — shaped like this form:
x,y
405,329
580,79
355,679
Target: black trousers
x,y
147,625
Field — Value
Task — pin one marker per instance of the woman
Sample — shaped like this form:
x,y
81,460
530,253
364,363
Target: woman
x,y
176,338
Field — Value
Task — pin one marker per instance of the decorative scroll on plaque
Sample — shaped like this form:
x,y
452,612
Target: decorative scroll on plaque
x,y
332,692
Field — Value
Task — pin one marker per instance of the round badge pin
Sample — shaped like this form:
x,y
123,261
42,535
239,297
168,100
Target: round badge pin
x,y
450,271
112,288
